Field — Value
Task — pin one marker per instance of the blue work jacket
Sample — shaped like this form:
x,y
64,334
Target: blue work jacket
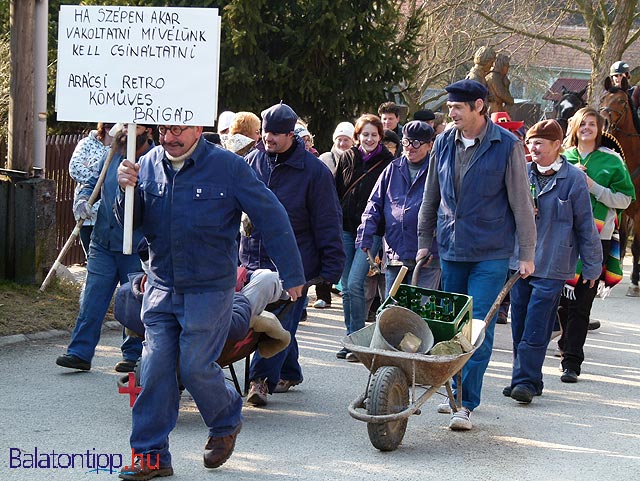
x,y
307,191
191,219
478,225
394,204
565,227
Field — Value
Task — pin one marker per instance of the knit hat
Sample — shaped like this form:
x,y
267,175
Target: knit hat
x,y
466,90
503,120
547,129
224,121
301,131
418,130
425,115
344,128
279,119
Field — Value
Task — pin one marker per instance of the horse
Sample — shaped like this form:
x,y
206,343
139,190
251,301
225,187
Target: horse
x,y
617,111
568,104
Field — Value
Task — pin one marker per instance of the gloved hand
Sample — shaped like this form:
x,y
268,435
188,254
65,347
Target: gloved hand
x,y
82,210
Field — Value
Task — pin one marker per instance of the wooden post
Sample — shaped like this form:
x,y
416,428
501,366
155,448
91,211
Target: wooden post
x,y
22,90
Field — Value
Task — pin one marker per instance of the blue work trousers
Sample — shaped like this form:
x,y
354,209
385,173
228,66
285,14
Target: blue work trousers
x,y
356,268
191,328
105,268
283,365
483,281
534,308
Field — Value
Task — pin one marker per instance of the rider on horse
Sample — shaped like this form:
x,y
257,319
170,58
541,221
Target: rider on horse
x,y
619,71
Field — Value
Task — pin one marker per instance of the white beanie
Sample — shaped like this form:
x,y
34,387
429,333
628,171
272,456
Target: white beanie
x,y
344,128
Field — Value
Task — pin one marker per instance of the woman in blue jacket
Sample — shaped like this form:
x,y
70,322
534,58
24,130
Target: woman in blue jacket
x,y
394,204
565,229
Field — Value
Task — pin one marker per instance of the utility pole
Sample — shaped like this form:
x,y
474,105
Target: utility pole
x,y
27,201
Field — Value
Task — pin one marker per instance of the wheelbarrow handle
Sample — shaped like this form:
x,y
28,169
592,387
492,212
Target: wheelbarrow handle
x,y
424,262
505,290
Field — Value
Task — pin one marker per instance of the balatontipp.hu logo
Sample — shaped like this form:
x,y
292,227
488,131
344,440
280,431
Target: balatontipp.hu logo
x,y
90,460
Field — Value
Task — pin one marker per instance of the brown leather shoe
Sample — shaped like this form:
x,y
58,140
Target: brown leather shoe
x,y
219,449
143,472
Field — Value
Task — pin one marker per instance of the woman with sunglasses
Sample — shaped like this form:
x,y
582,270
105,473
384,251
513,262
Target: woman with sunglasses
x,y
394,204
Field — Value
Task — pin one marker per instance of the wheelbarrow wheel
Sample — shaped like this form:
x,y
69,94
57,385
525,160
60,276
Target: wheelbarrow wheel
x,y
388,394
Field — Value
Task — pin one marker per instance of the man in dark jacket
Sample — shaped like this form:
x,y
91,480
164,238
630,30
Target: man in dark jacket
x,y
306,189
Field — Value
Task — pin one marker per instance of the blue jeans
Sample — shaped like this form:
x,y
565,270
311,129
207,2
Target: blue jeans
x,y
191,328
353,279
283,365
105,269
534,308
483,281
429,277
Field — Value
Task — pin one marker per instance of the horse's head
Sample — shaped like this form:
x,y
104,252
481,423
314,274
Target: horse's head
x,y
569,104
615,106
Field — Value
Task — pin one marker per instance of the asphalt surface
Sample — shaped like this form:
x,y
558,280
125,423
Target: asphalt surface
x,y
584,431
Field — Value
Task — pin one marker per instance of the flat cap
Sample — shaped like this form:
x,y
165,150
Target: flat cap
x,y
418,130
547,129
279,119
466,90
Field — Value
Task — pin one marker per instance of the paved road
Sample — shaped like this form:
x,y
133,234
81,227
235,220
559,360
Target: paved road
x,y
586,431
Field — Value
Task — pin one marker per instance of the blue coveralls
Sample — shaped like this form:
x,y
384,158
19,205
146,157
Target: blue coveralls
x,y
191,219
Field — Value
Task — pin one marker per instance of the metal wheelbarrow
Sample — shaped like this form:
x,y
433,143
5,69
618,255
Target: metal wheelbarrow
x,y
400,383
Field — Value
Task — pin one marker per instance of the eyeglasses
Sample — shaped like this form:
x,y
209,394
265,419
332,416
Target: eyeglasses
x,y
174,129
416,144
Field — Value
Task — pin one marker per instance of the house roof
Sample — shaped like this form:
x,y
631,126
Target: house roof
x,y
571,84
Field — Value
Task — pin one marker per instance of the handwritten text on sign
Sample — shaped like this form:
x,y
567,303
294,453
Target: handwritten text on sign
x,y
138,64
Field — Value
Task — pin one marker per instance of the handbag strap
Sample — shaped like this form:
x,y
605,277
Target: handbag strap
x,y
353,184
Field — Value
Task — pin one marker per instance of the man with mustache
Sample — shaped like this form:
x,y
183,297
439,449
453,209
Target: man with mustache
x,y
189,196
106,265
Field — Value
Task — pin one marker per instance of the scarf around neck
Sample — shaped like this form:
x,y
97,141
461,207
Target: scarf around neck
x,y
368,156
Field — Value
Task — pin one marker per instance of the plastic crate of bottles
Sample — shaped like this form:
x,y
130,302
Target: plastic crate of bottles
x,y
445,312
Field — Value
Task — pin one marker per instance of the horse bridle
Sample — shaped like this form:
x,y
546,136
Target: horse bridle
x,y
613,126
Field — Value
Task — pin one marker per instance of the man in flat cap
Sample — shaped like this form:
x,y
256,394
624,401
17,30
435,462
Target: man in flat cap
x,y
477,197
306,189
563,234
189,197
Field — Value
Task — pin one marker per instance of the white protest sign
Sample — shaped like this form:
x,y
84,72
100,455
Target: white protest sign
x,y
142,65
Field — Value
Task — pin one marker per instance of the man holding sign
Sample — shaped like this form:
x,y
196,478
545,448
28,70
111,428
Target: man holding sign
x,y
189,196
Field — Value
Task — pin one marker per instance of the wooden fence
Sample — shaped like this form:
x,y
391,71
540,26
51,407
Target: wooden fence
x,y
58,153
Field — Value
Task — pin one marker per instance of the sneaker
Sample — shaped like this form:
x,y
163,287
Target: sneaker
x,y
258,392
569,375
73,362
593,324
284,385
320,304
342,353
460,420
444,408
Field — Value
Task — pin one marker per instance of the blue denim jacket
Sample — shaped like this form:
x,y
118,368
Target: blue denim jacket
x,y
565,227
191,220
107,231
394,203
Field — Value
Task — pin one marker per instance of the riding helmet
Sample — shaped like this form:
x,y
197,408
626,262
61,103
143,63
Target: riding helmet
x,y
619,67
